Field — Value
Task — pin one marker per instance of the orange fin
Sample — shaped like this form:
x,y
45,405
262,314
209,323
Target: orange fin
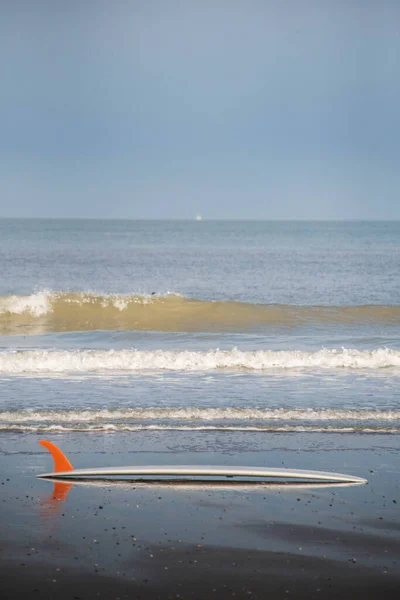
x,y
61,462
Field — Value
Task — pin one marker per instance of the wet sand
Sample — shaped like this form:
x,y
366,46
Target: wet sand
x,y
207,572
135,540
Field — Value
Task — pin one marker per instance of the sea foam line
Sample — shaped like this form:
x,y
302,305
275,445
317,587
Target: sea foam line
x,y
120,428
197,414
88,361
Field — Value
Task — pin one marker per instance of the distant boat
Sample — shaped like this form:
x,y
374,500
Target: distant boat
x,y
199,217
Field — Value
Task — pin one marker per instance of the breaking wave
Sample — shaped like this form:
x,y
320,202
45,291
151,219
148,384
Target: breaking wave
x,y
201,414
48,312
130,361
116,428
203,419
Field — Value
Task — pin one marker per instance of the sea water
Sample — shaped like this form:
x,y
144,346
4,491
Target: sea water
x,y
201,328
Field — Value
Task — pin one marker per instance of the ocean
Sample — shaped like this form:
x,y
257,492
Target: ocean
x,y
203,336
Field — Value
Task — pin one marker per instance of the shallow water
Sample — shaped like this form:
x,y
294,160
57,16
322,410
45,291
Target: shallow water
x,y
123,326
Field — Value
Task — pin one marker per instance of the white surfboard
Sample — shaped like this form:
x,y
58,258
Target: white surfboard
x,y
64,470
204,471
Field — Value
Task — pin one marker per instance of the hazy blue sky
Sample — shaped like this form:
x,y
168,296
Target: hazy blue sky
x,y
233,109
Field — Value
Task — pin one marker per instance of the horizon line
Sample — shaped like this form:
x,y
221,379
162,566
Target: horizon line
x,y
213,219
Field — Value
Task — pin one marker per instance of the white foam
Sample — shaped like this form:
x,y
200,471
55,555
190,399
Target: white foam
x,y
197,414
88,361
41,303
114,428
36,304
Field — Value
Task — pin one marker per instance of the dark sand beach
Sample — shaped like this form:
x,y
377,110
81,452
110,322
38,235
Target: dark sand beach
x,y
138,540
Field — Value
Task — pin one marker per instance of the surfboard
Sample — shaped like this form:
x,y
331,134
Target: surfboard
x,y
63,469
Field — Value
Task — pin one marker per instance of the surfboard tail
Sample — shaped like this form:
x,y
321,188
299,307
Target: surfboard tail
x,y
61,462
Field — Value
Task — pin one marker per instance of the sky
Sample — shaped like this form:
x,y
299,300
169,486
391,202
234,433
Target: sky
x,y
232,109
